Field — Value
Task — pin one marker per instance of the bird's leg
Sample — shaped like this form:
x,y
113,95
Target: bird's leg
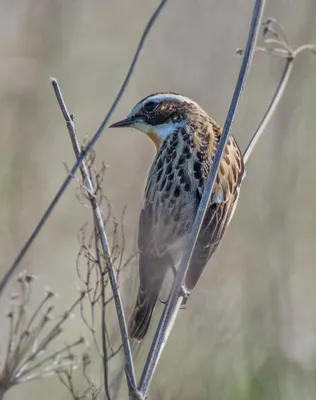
x,y
184,292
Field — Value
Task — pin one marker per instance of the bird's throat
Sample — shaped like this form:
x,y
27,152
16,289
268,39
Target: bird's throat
x,y
155,138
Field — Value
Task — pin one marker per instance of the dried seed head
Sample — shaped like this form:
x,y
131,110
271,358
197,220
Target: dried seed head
x,y
49,293
82,340
29,340
28,278
24,277
46,319
86,360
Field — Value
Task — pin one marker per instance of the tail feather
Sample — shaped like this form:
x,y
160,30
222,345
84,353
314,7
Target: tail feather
x,y
141,316
151,274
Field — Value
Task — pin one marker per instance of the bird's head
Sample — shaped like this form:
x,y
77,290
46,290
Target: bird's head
x,y
160,114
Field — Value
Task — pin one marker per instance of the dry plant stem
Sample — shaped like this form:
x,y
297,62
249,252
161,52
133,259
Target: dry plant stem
x,y
276,98
30,338
55,331
22,373
271,109
170,310
103,307
129,367
83,154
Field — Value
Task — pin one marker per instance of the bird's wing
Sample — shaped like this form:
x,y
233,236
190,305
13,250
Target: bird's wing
x,y
153,265
223,203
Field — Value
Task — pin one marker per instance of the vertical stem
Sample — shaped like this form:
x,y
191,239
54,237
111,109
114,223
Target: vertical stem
x,y
129,366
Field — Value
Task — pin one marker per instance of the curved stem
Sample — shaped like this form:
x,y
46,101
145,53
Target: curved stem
x,y
271,109
276,98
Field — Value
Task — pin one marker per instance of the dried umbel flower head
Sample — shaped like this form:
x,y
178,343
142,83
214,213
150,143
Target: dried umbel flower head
x,y
31,333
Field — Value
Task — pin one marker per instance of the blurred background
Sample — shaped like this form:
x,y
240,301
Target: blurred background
x,y
249,330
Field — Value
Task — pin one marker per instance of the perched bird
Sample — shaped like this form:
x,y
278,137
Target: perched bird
x,y
186,139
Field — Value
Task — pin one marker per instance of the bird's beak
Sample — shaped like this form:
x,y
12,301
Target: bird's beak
x,y
129,121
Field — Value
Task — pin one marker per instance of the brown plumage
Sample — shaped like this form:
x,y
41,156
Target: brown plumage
x,y
186,139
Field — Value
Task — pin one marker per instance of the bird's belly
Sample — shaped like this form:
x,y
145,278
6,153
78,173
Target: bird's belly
x,y
174,223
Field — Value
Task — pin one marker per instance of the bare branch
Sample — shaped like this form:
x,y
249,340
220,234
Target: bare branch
x,y
92,392
173,304
129,366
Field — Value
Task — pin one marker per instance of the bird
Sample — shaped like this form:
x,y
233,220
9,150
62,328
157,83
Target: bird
x,y
186,139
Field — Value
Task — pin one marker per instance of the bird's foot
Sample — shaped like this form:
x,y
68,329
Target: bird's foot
x,y
162,301
185,293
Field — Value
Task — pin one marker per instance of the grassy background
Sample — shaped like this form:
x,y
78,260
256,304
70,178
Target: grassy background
x,y
249,329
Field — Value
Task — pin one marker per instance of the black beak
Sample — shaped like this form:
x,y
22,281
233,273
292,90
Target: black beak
x,y
123,123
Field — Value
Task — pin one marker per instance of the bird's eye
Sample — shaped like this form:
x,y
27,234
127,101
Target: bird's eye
x,y
150,107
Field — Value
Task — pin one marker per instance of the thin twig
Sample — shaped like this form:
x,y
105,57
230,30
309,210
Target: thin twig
x,y
276,97
103,307
173,304
271,109
25,371
129,366
83,154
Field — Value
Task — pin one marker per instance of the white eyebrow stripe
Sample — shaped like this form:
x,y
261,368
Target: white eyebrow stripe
x,y
163,97
169,96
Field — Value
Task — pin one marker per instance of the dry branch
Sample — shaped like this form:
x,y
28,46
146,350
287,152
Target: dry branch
x,y
129,366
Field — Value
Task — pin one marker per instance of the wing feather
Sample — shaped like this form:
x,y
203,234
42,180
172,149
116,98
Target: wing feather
x,y
219,213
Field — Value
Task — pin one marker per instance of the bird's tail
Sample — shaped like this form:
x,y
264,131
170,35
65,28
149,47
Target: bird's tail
x,y
151,273
142,313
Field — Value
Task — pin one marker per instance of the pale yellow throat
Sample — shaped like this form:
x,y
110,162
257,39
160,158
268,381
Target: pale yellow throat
x,y
155,138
